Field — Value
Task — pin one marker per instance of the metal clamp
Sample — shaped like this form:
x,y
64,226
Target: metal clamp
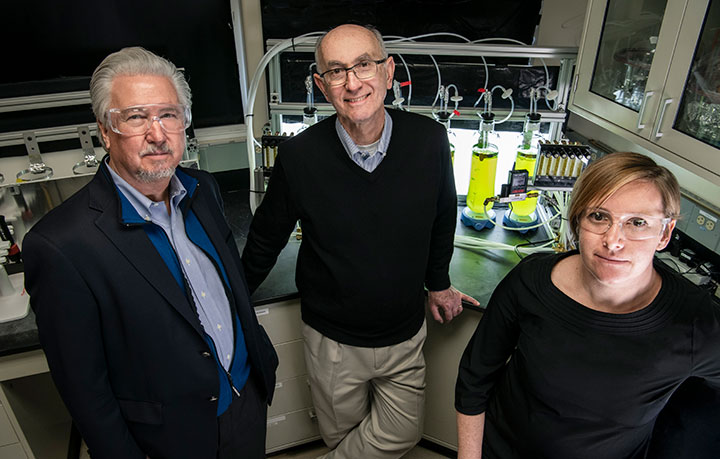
x,y
659,133
90,163
37,169
192,149
648,94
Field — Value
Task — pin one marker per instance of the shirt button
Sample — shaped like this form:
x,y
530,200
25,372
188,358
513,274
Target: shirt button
x,y
228,356
187,260
213,399
202,294
147,218
219,327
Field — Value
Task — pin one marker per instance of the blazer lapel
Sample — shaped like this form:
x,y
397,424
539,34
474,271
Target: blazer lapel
x,y
217,238
133,243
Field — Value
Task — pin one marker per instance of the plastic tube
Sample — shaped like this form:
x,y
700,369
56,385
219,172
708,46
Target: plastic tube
x,y
252,93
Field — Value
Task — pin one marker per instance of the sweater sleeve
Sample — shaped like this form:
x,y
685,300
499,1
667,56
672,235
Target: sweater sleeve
x,y
490,347
270,229
437,275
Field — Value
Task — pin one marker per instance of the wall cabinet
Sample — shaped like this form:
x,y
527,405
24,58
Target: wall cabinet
x,y
650,71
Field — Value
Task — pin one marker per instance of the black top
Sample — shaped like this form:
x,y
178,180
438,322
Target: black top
x,y
371,240
581,383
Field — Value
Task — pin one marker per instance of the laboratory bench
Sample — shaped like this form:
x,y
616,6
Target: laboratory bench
x,y
35,423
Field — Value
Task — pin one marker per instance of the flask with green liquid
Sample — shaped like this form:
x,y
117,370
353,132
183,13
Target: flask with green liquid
x,y
522,213
482,176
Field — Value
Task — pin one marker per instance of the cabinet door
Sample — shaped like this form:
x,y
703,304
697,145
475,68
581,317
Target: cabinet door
x,y
688,122
625,56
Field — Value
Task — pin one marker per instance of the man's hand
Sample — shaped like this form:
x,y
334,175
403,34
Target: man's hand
x,y
449,301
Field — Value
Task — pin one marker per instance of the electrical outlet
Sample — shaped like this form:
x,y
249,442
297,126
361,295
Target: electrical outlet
x,y
702,226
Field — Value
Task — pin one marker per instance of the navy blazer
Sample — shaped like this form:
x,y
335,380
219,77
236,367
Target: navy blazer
x,y
124,345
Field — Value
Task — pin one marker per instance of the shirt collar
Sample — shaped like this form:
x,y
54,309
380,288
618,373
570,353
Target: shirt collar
x,y
141,203
351,147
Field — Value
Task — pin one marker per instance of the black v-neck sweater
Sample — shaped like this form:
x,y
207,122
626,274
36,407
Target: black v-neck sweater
x,y
371,240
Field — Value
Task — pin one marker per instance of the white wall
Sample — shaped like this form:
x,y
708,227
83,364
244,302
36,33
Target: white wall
x,y
254,51
561,23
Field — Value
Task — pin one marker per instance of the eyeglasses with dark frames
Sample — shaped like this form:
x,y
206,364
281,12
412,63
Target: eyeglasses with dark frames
x,y
363,70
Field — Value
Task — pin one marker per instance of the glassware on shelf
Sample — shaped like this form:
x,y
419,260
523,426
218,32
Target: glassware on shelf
x,y
637,62
699,111
626,50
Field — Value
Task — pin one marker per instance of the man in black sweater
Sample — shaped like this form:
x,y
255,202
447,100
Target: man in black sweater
x,y
375,195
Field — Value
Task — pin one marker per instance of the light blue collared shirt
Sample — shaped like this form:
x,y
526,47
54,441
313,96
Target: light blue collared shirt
x,y
367,161
200,274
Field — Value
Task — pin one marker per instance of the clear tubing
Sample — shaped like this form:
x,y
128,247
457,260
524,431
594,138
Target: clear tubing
x,y
252,93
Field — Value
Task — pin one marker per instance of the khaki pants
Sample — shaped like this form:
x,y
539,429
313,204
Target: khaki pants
x,y
369,401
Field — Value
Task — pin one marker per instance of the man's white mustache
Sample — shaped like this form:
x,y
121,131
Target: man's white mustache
x,y
155,150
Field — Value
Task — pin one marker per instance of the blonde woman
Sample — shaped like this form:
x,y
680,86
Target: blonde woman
x,y
577,353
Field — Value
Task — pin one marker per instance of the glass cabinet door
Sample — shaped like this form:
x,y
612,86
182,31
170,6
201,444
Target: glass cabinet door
x,y
626,53
688,120
699,110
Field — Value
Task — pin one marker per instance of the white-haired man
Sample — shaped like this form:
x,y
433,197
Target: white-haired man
x,y
141,304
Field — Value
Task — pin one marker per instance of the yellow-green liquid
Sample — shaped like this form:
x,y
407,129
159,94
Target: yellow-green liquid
x,y
525,160
482,179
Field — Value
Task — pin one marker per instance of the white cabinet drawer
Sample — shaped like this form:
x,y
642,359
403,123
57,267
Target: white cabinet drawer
x,y
7,433
13,451
281,321
292,359
290,429
291,395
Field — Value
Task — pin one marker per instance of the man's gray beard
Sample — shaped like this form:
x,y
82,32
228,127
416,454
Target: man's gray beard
x,y
146,176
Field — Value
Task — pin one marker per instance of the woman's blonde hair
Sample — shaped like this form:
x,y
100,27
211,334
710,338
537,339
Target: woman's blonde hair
x,y
608,174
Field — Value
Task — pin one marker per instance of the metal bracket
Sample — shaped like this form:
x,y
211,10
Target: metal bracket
x,y
90,162
37,169
192,148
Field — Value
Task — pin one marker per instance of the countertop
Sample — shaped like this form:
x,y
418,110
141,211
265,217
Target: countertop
x,y
475,274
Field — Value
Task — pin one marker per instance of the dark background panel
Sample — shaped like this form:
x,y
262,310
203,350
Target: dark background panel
x,y
473,19
53,46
